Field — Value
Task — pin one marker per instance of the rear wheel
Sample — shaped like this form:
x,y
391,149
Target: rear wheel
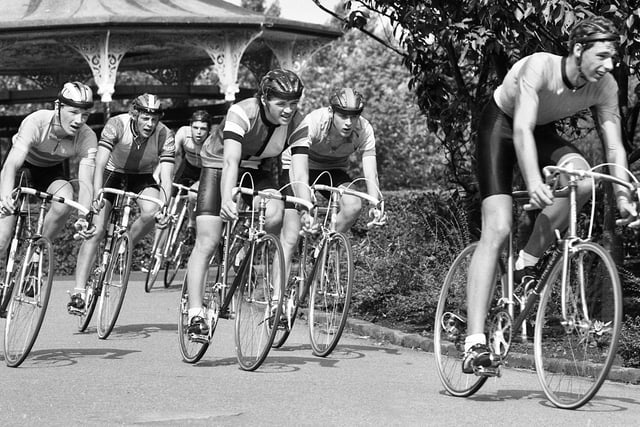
x,y
114,286
92,291
574,352
450,329
330,295
29,301
157,259
257,313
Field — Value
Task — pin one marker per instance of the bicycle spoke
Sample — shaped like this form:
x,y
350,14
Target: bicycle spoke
x,y
114,286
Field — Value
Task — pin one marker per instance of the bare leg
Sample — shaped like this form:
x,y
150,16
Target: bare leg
x,y
209,233
350,207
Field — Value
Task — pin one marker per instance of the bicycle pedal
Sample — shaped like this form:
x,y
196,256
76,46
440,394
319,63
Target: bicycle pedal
x,y
225,315
75,311
488,371
199,338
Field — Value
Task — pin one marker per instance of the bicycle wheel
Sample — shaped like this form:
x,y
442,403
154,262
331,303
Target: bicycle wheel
x,y
256,312
29,302
92,291
114,285
450,329
330,295
157,259
574,353
178,257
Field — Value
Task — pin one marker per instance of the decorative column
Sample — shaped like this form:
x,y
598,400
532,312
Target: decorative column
x,y
294,55
225,50
103,56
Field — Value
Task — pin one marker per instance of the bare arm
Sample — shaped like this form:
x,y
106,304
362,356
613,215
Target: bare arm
x,y
299,175
166,178
102,157
232,156
370,171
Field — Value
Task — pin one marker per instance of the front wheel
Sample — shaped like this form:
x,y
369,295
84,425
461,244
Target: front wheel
x,y
450,329
29,302
157,259
257,311
330,295
575,347
114,285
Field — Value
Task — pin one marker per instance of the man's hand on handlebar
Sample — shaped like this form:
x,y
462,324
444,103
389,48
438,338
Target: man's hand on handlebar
x,y
84,229
7,205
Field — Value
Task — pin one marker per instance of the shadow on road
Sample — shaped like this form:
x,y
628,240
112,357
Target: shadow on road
x,y
56,358
135,331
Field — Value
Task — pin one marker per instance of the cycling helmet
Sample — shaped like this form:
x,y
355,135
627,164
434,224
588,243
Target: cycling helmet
x,y
76,94
347,101
147,103
200,116
280,83
594,29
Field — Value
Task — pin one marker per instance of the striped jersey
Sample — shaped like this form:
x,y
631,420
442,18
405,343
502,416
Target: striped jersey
x,y
37,138
130,152
246,123
189,146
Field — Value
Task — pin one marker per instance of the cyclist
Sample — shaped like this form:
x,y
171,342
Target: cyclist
x,y
189,141
45,139
335,133
518,125
131,146
253,129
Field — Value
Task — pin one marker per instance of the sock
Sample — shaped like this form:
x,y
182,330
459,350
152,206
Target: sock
x,y
525,260
474,339
193,312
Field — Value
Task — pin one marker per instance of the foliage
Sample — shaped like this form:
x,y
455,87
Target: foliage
x,y
407,154
457,52
629,348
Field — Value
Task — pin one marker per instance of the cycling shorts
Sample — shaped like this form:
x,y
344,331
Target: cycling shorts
x,y
187,174
132,182
40,177
334,178
209,198
496,155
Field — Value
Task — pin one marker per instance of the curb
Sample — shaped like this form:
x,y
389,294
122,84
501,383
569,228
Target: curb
x,y
515,360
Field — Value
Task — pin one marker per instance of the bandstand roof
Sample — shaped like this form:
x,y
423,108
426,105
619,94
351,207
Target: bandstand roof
x,y
39,35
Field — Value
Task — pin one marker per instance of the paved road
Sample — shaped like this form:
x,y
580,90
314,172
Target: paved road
x,y
137,377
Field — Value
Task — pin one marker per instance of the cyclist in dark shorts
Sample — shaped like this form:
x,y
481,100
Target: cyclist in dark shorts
x,y
253,129
335,133
45,139
518,126
131,147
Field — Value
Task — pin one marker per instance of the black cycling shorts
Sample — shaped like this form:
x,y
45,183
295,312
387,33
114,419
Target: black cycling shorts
x,y
187,174
209,198
132,182
39,177
496,155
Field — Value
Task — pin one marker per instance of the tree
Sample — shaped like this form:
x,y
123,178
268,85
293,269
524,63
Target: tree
x,y
457,52
408,156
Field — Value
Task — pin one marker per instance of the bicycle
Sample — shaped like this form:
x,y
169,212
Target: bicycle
x,y
108,282
28,277
324,272
241,284
170,248
578,320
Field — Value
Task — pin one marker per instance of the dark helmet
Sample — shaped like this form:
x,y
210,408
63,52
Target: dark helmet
x,y
347,101
200,116
76,94
147,103
280,83
594,29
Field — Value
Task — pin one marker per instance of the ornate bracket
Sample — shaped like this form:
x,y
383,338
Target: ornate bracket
x,y
294,55
225,50
103,56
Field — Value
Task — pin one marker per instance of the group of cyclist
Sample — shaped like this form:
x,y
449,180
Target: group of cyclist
x,y
136,152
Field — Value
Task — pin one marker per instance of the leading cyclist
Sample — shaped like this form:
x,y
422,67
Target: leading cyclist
x,y
518,125
131,146
254,129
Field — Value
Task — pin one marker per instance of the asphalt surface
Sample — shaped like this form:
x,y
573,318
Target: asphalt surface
x,y
376,376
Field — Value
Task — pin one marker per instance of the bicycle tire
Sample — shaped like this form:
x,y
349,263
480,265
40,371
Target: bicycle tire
x,y
450,329
191,351
157,259
113,292
574,358
290,311
92,291
253,302
330,295
177,248
29,302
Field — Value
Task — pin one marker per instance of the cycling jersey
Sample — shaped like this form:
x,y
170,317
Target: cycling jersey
x,y
37,138
130,152
189,146
246,123
327,152
555,99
